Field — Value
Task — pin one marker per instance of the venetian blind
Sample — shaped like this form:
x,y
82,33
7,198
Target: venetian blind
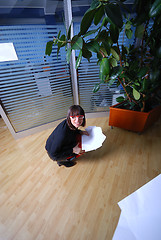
x,y
36,89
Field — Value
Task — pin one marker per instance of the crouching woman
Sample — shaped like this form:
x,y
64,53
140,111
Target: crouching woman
x,y
64,143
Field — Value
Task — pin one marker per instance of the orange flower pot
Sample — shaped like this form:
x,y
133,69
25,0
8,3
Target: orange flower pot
x,y
133,120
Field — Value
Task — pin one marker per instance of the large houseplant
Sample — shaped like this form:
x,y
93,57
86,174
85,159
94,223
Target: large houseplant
x,y
135,67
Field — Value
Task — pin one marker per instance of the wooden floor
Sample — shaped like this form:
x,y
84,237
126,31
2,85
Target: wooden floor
x,y
41,201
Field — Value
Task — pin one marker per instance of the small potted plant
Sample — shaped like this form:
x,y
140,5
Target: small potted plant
x,y
135,67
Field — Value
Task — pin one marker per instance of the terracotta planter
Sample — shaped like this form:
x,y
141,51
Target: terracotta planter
x,y
133,120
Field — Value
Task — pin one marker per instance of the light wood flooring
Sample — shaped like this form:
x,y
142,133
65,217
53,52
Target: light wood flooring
x,y
41,201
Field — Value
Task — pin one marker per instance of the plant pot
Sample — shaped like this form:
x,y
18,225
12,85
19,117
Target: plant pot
x,y
133,120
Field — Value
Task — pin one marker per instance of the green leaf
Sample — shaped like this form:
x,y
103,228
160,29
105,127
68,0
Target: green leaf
x,y
104,22
113,62
128,89
102,36
106,46
61,43
98,15
126,64
114,33
55,41
48,49
87,21
120,99
111,82
86,53
142,72
129,33
136,94
68,54
139,31
106,79
94,4
76,43
125,50
100,57
116,72
155,9
59,34
90,32
103,51
145,84
63,40
115,54
109,40
96,88
113,13
93,46
104,68
128,25
136,84
79,59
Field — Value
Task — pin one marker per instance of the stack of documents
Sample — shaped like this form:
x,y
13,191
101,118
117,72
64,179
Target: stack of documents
x,y
94,140
140,217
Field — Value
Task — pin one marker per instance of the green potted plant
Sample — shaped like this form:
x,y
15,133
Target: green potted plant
x,y
135,67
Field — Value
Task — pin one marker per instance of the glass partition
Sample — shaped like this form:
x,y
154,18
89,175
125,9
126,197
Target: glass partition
x,y
36,89
88,73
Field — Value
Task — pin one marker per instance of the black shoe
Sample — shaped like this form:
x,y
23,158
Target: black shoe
x,y
66,163
71,158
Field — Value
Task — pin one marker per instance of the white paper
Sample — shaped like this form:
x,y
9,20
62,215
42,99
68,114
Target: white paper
x,y
123,232
94,140
142,212
7,52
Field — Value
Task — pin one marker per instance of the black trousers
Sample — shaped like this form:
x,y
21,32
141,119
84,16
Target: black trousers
x,y
70,158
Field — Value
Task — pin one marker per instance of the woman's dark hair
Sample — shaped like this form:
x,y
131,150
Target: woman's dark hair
x,y
75,110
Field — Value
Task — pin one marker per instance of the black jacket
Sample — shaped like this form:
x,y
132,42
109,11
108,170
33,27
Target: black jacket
x,y
61,142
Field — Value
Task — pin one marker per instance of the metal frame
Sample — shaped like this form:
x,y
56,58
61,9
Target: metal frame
x,y
6,120
25,133
68,22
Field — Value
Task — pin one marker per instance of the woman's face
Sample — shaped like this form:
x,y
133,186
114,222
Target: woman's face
x,y
76,120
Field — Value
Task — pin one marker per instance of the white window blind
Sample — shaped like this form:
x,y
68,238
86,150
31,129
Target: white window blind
x,y
88,76
34,90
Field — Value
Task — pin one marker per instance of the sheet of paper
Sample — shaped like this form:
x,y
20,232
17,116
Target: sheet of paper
x,y
142,212
94,140
123,232
7,52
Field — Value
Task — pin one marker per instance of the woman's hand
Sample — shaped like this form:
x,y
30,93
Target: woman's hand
x,y
78,150
84,133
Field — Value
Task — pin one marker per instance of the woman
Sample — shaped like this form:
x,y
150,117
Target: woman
x,y
64,143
